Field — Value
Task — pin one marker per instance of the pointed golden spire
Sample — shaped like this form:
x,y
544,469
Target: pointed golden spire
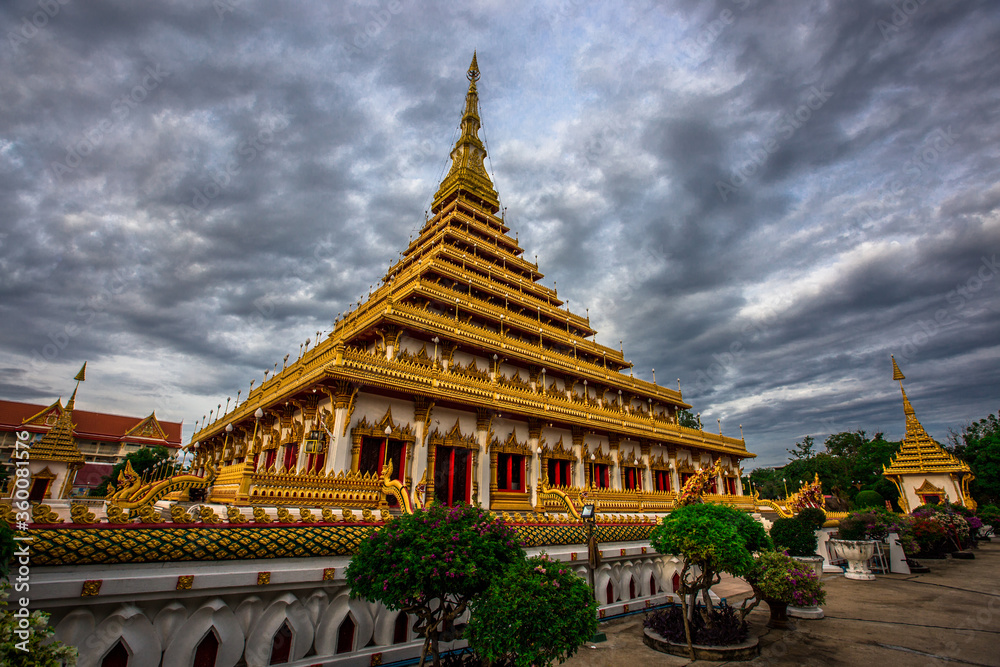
x,y
468,177
79,377
896,373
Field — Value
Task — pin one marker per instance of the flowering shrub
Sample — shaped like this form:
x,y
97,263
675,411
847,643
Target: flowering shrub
x,y
776,577
537,612
872,524
990,515
39,648
447,554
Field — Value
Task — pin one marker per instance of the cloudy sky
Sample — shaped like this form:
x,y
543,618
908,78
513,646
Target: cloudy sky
x,y
764,199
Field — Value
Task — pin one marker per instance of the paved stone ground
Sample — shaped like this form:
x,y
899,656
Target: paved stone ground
x,y
950,616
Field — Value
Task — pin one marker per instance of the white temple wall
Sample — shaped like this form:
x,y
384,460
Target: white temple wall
x,y
141,606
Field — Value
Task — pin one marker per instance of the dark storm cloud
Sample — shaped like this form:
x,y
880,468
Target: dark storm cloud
x,y
763,199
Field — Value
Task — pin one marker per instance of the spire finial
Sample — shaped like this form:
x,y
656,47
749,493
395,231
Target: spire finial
x,y
468,176
896,373
79,377
473,73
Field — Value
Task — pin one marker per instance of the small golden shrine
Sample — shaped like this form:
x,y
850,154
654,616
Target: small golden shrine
x,y
469,380
922,470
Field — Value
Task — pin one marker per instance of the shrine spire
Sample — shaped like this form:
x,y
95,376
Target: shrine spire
x,y
467,177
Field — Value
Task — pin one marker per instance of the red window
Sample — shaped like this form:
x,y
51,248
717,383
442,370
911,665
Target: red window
x,y
559,472
661,480
601,476
291,457
633,478
270,456
452,474
510,472
375,452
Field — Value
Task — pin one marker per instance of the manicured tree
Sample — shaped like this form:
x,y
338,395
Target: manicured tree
x,y
431,564
539,611
796,537
868,499
813,516
711,539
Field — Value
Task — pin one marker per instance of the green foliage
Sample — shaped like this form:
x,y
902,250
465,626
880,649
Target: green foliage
x,y
439,554
538,612
868,499
803,450
775,576
7,547
979,445
709,536
142,460
796,537
812,516
990,515
853,527
685,418
40,648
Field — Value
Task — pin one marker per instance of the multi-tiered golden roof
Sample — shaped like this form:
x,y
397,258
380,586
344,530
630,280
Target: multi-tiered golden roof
x,y
921,456
461,285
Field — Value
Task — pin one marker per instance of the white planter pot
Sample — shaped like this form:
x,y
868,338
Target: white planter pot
x,y
857,553
816,564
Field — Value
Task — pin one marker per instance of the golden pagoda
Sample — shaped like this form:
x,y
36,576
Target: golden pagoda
x,y
55,459
467,378
923,472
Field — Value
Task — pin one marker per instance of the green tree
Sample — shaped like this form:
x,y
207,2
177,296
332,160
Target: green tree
x,y
539,611
685,418
432,564
35,647
7,548
142,461
712,539
803,450
978,444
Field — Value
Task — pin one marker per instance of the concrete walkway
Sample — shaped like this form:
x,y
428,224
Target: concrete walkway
x,y
950,616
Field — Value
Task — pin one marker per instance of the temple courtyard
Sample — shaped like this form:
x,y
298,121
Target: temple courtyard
x,y
950,616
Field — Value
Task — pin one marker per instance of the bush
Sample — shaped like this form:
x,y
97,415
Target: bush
x,y
777,577
537,612
796,537
727,626
853,527
869,499
40,648
432,563
813,516
990,515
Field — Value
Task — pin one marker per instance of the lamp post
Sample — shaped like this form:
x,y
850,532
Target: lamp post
x,y
784,482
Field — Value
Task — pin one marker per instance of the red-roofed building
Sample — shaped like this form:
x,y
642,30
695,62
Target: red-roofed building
x,y
101,438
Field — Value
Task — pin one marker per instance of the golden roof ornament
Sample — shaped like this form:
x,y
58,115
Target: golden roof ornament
x,y
467,177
